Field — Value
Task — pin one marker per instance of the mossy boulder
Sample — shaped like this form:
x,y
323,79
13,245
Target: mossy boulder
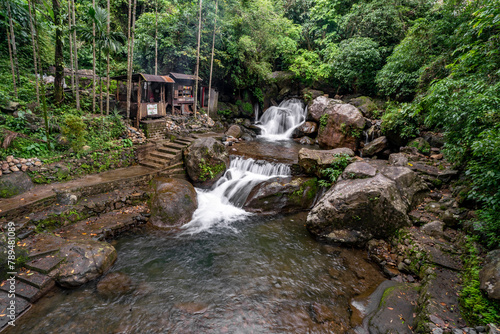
x,y
313,162
14,184
421,145
282,195
206,160
172,203
365,105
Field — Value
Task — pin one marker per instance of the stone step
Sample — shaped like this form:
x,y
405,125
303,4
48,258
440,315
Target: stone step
x,y
24,290
34,278
177,171
175,166
169,150
151,164
21,306
39,254
175,145
44,264
162,155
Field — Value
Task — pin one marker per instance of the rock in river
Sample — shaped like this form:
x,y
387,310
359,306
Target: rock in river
x,y
314,161
85,261
206,161
173,202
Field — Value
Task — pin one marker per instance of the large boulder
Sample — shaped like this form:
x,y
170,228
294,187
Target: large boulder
x,y
489,276
173,202
365,105
85,261
14,184
314,161
282,195
234,131
355,211
206,160
359,170
320,106
341,125
411,187
375,146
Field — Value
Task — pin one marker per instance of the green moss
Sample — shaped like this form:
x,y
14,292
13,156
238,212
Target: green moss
x,y
323,121
209,171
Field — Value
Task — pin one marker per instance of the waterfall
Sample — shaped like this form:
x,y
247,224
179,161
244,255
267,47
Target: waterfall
x,y
256,112
222,205
278,123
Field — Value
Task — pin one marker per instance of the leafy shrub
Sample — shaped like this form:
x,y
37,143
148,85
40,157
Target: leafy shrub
x,y
403,119
333,172
74,129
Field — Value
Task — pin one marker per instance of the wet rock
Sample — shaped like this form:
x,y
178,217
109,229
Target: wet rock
x,y
14,184
421,145
365,105
322,313
314,161
395,312
434,228
489,276
492,329
308,128
398,159
355,211
319,106
85,261
282,195
375,146
192,308
206,160
305,141
359,170
234,131
173,202
115,284
343,127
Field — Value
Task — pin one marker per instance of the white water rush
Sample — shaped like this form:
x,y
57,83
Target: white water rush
x,y
278,123
222,205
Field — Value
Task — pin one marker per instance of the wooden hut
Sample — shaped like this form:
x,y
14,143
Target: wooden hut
x,y
149,95
182,95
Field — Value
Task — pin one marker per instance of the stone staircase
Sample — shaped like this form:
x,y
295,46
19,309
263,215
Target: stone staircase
x,y
168,156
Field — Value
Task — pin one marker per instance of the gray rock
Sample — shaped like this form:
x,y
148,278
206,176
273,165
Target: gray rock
x,y
319,106
434,228
354,211
343,127
480,329
173,202
14,184
411,186
206,160
305,141
85,261
421,145
457,331
314,161
234,131
376,146
398,159
365,105
489,276
359,170
308,128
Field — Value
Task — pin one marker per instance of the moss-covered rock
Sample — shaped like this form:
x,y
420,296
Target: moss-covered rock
x,y
14,184
421,145
365,105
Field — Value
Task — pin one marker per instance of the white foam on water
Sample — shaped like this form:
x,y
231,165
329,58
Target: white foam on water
x,y
278,123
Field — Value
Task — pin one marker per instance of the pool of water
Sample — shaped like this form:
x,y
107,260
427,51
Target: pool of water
x,y
261,275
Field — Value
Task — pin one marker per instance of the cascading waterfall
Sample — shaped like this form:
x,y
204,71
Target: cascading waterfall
x,y
256,109
278,123
223,204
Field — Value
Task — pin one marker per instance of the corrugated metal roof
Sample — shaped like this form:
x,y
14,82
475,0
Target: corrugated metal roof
x,y
182,76
146,77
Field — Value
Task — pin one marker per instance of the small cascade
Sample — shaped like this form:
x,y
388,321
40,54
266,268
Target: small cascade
x,y
223,204
256,109
278,123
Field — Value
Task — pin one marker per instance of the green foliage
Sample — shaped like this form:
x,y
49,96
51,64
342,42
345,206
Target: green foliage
x,y
403,119
74,129
475,307
356,62
308,67
209,171
333,172
323,121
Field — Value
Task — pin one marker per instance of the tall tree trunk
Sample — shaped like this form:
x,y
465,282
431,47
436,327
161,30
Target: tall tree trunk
x,y
100,83
59,56
93,61
77,78
132,58
107,59
129,69
156,37
212,58
70,38
197,64
42,86
35,53
12,66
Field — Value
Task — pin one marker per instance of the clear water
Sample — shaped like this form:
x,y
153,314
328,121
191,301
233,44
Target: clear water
x,y
262,277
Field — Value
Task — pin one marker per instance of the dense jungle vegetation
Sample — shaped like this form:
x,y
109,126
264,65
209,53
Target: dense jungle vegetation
x,y
436,63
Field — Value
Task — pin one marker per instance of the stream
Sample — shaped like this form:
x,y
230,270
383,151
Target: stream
x,y
227,271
